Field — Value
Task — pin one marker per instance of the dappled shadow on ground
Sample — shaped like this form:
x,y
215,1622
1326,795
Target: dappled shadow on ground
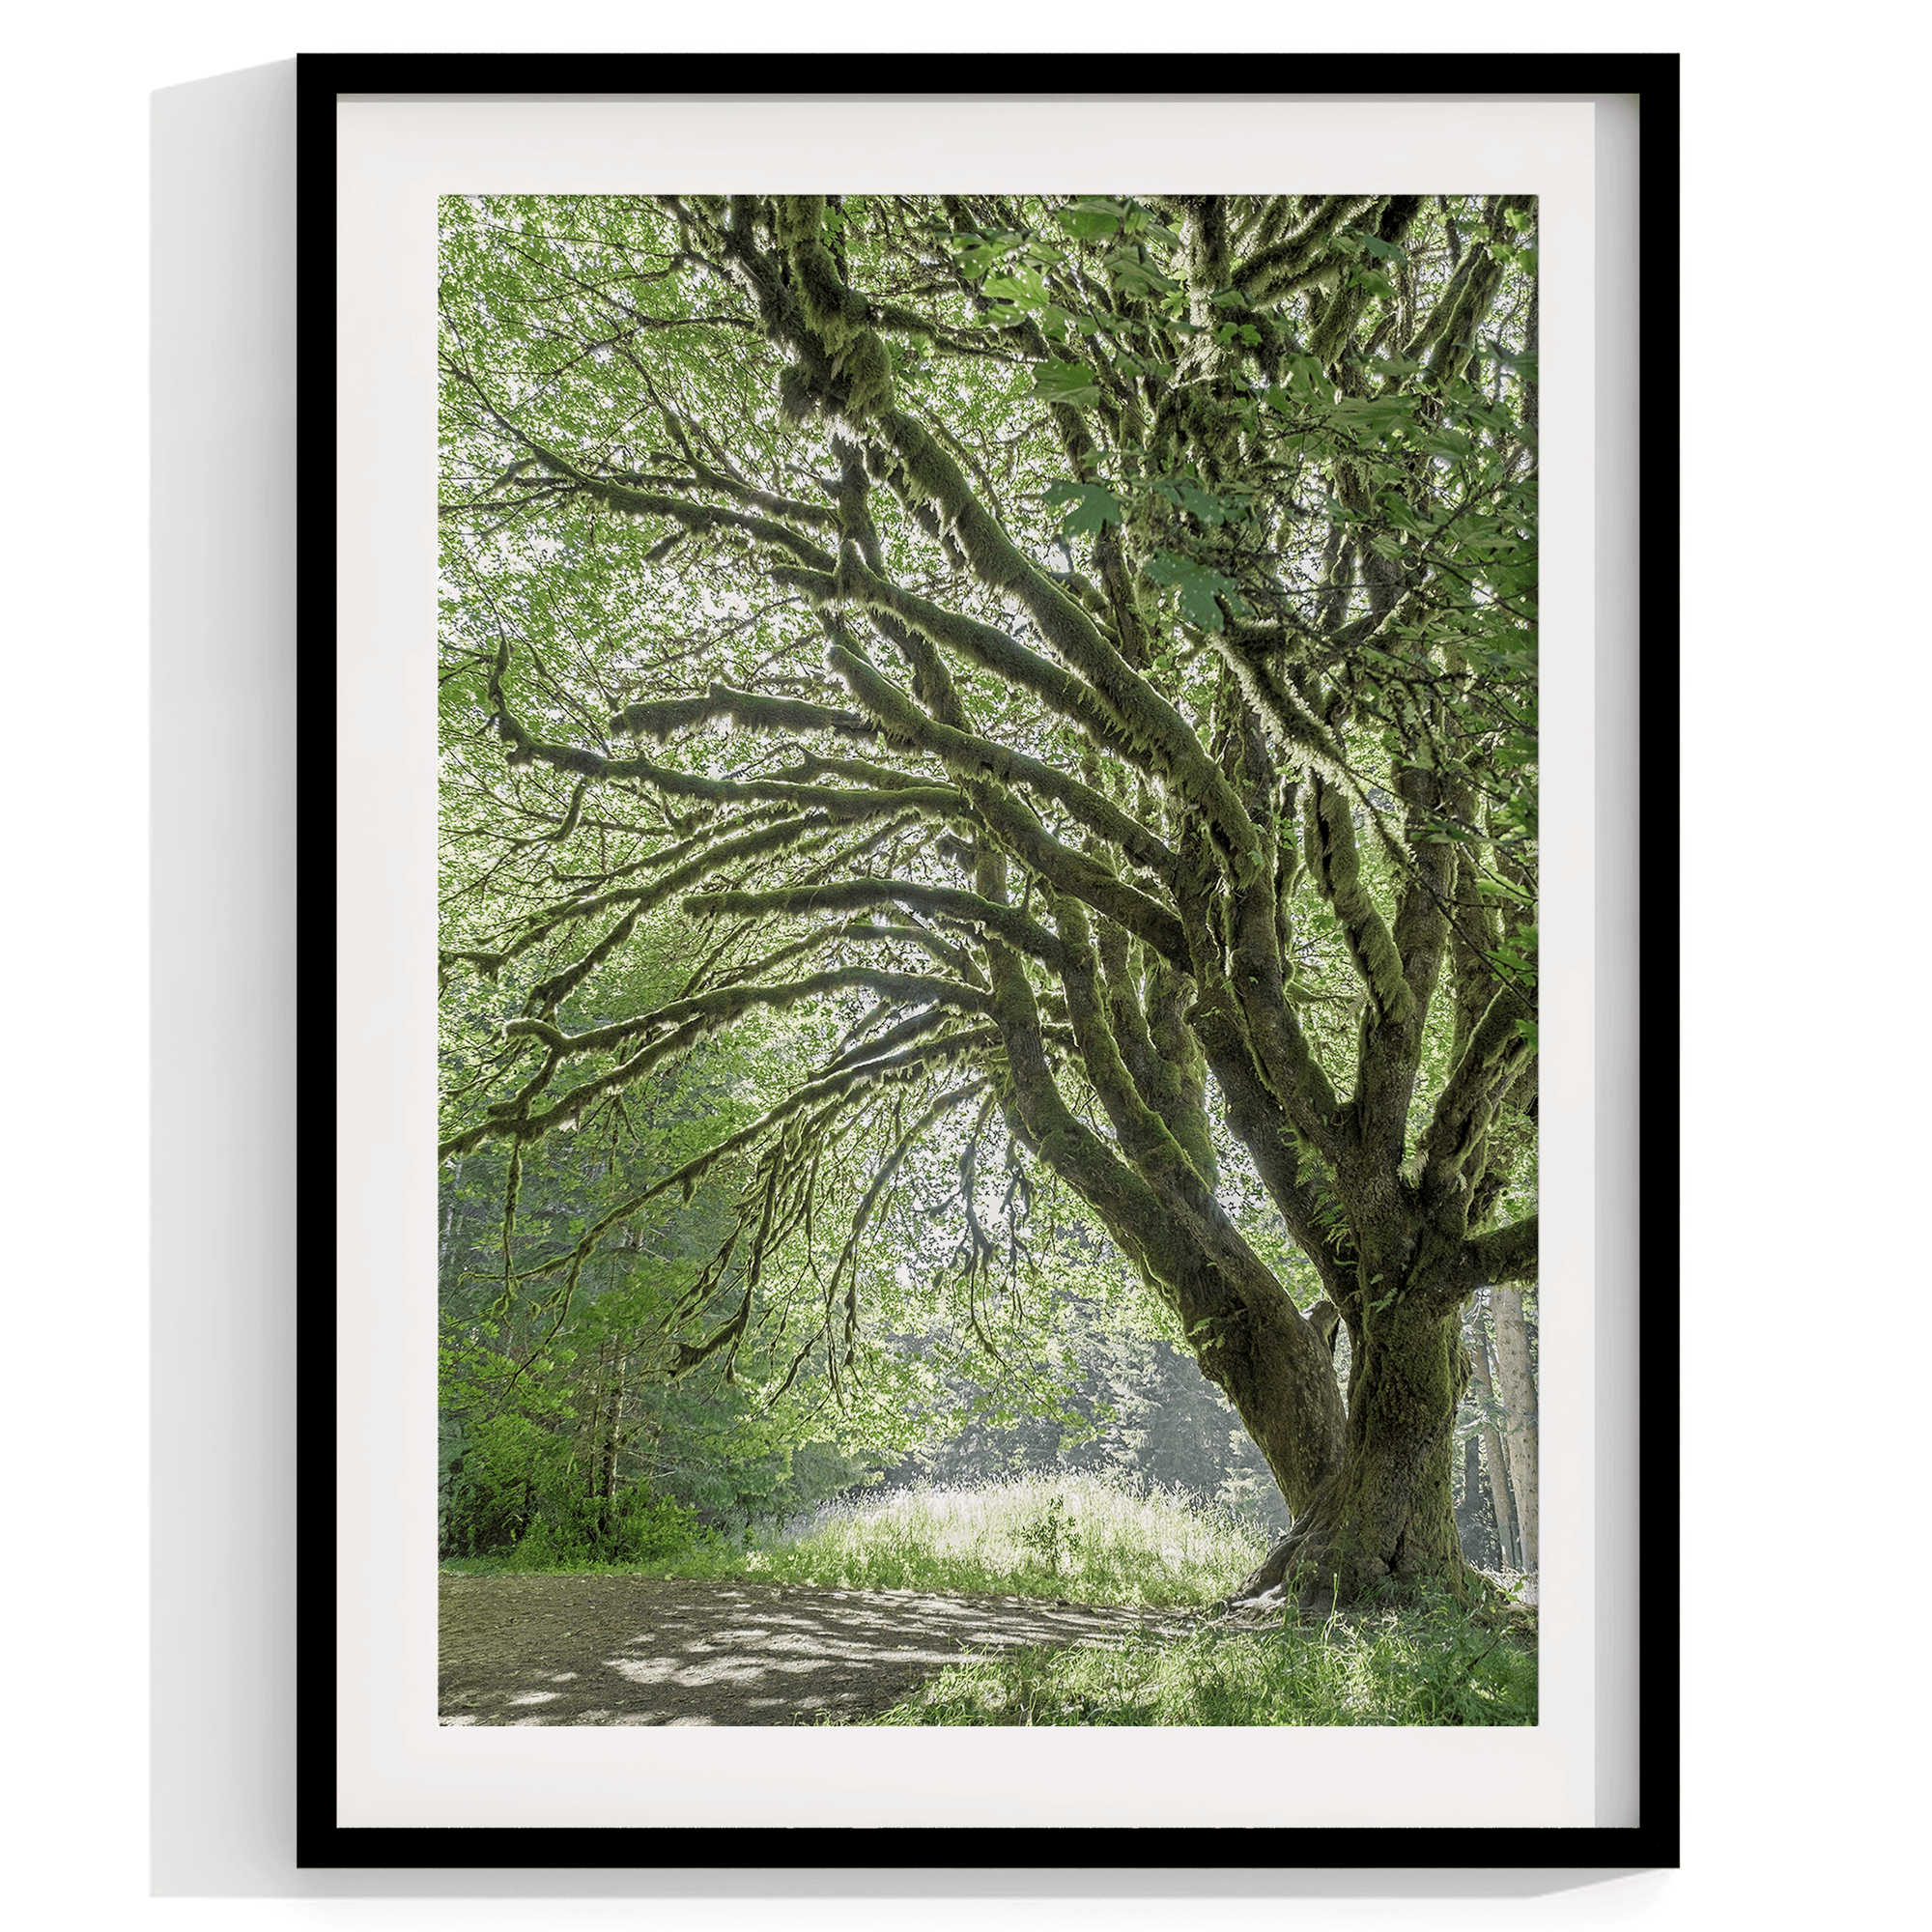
x,y
630,1650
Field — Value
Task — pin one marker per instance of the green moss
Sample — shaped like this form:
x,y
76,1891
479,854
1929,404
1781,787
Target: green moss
x,y
1332,860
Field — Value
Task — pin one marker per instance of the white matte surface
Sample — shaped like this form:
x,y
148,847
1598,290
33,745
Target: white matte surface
x,y
398,1767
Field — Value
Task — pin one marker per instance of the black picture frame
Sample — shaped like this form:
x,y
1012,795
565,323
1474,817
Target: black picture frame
x,y
1653,1841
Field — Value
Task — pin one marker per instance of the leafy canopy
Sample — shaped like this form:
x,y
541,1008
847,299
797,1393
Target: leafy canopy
x,y
1009,674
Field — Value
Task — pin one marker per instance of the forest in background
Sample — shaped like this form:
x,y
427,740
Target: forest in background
x,y
599,1417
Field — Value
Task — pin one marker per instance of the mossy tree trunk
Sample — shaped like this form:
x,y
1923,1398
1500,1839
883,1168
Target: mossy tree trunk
x,y
1387,1508
1091,645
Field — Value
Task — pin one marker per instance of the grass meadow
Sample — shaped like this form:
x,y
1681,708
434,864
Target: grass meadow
x,y
1412,1657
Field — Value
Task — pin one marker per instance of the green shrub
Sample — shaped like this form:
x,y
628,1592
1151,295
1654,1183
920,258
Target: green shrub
x,y
640,1528
1051,1534
517,1491
507,1474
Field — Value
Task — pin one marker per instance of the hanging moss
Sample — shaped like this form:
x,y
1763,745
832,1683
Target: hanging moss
x,y
852,894
665,719
1332,861
1170,1075
1137,712
696,517
838,314
731,1003
1496,1053
968,755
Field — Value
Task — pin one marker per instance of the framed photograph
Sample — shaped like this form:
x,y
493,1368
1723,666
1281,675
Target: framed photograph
x,y
955,1082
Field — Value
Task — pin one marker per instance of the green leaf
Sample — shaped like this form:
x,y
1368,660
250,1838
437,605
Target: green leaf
x,y
1066,382
978,253
1023,288
1093,506
1092,218
1238,331
1197,585
1376,414
1186,495
1523,366
1133,276
1397,511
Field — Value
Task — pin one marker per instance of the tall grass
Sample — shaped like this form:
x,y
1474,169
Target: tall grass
x,y
1424,1663
1078,1537
1083,1538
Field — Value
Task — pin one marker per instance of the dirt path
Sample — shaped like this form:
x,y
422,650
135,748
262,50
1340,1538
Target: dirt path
x,y
630,1650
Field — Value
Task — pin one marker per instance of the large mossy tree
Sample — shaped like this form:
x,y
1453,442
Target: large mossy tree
x,y
1085,646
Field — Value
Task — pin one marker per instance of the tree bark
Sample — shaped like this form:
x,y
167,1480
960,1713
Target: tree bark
x,y
1395,1506
1470,1521
1389,1509
612,1407
1492,1450
1518,1390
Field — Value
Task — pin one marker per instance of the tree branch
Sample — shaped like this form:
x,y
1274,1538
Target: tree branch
x,y
1504,1254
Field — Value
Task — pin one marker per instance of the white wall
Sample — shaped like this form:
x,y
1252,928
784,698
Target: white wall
x,y
1804,511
